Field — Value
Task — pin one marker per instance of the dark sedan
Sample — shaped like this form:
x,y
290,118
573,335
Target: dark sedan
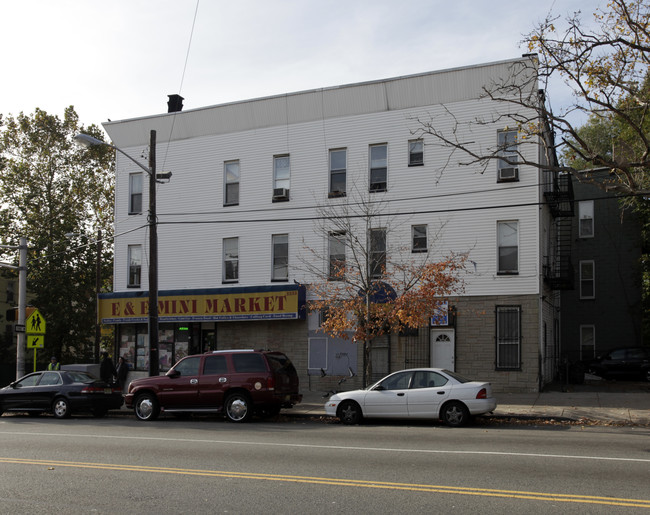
x,y
633,362
60,393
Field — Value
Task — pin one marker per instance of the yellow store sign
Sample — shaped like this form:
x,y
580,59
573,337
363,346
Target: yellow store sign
x,y
220,304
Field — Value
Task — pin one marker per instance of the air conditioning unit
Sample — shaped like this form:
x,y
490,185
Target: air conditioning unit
x,y
280,194
509,174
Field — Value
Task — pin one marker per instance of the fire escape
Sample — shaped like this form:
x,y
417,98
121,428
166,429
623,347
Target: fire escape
x,y
558,268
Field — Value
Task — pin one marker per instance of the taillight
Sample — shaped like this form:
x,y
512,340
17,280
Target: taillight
x,y
92,389
482,394
270,383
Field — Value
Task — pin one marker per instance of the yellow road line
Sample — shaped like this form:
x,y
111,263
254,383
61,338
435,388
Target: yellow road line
x,y
486,492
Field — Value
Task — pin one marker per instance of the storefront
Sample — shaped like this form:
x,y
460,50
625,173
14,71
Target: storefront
x,y
188,320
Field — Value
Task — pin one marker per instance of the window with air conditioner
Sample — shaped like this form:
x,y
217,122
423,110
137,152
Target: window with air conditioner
x,y
281,177
508,163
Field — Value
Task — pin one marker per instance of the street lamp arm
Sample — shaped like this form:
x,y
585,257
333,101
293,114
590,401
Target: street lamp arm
x,y
88,141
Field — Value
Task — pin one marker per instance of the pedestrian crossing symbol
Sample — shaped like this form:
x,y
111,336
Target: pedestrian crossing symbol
x,y
35,323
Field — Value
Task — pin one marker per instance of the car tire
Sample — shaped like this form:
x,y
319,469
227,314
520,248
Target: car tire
x,y
455,414
61,408
146,407
349,412
238,407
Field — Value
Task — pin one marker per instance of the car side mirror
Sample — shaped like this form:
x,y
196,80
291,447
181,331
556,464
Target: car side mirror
x,y
173,374
379,387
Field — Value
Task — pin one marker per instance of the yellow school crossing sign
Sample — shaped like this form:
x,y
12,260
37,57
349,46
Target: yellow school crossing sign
x,y
35,323
35,329
35,341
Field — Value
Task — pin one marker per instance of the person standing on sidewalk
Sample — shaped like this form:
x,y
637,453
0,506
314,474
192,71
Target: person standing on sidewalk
x,y
107,368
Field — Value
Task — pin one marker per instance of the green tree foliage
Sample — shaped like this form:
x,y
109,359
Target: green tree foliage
x,y
58,196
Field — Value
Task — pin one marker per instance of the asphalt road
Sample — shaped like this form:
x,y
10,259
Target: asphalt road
x,y
206,465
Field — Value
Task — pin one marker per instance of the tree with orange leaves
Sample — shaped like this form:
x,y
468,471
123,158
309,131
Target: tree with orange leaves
x,y
369,288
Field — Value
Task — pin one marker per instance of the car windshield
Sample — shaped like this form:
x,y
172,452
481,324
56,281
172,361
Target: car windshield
x,y
457,377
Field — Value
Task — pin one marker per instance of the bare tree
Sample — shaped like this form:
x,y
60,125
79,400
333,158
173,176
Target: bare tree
x,y
605,66
366,285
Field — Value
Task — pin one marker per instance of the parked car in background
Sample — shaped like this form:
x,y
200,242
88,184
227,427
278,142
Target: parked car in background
x,y
422,393
238,383
630,362
60,392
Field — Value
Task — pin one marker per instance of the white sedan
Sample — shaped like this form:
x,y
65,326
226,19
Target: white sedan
x,y
419,393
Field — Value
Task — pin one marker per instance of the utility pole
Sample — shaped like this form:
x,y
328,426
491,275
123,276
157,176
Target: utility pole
x,y
98,286
154,365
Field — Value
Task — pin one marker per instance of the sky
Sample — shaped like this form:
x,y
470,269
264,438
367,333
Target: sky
x,y
119,59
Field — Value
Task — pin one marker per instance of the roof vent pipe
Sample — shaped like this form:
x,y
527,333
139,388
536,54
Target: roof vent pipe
x,y
175,103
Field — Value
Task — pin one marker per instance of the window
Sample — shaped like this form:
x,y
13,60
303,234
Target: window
x,y
587,342
230,260
135,193
135,265
586,219
377,254
215,365
281,177
587,280
231,186
338,163
508,243
416,152
378,167
336,256
280,257
419,238
508,329
508,169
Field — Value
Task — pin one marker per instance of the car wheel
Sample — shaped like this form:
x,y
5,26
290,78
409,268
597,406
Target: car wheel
x,y
61,408
99,413
238,407
146,407
455,414
349,412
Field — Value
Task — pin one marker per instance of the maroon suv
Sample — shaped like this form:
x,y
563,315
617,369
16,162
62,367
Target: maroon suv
x,y
238,383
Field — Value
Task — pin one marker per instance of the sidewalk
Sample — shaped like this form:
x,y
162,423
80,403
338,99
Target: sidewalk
x,y
585,402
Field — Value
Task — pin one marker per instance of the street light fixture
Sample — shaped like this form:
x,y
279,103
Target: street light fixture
x,y
88,141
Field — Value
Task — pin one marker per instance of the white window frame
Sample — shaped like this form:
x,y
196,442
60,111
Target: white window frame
x,y
416,152
336,254
587,339
509,150
586,219
376,257
231,181
135,196
504,242
338,172
419,243
375,168
278,240
508,334
281,181
230,260
134,251
586,278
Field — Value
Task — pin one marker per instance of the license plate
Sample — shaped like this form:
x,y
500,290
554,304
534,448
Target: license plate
x,y
108,391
